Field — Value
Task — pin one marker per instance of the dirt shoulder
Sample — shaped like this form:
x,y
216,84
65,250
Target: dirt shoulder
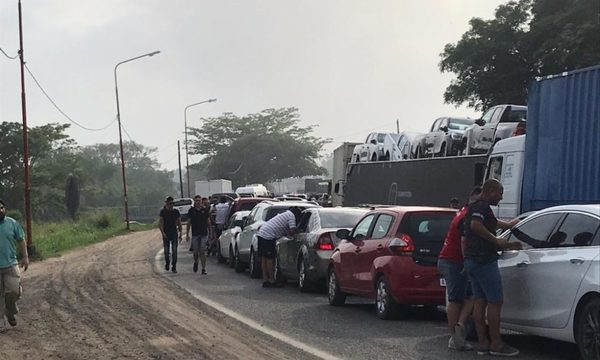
x,y
107,302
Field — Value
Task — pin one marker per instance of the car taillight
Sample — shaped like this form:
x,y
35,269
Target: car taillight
x,y
519,130
324,242
403,245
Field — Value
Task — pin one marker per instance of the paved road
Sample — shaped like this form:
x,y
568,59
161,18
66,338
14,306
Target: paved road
x,y
349,332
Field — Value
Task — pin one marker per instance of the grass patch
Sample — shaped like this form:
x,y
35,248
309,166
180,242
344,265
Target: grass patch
x,y
52,239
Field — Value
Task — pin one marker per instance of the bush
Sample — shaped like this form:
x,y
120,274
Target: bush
x,y
15,214
102,220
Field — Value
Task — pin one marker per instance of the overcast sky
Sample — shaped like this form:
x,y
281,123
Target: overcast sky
x,y
349,66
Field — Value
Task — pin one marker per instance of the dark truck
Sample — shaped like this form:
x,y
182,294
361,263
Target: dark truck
x,y
499,122
427,182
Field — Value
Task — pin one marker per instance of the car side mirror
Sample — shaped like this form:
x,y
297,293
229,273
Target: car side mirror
x,y
480,122
374,142
444,128
343,234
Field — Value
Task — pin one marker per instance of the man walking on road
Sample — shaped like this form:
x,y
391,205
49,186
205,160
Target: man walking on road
x,y
451,267
199,221
481,263
169,225
11,237
281,225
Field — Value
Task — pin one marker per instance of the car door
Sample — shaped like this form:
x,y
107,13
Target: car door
x,y
479,132
489,129
559,269
349,249
373,247
288,247
431,135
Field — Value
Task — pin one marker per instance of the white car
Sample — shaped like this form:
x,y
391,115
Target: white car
x,y
183,205
552,286
377,147
232,230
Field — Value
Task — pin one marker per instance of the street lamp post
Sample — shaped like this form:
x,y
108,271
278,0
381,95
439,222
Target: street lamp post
x,y
187,160
121,137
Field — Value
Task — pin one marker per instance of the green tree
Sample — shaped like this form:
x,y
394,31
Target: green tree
x,y
257,148
495,60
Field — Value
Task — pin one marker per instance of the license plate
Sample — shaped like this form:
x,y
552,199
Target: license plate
x,y
443,282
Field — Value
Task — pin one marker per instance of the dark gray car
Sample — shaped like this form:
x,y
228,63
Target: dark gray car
x,y
305,256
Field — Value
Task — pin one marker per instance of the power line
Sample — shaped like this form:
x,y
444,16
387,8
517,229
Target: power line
x,y
10,57
60,110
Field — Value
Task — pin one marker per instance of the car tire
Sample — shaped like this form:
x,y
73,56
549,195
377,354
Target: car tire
x,y
385,305
255,271
587,330
357,158
335,296
238,265
220,258
443,152
304,284
231,258
374,157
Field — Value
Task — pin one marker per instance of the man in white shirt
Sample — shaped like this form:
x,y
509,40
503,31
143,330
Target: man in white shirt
x,y
221,216
281,225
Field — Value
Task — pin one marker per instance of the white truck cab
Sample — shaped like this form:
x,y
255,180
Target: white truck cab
x,y
505,164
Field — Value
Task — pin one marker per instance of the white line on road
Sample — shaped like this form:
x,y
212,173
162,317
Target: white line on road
x,y
251,323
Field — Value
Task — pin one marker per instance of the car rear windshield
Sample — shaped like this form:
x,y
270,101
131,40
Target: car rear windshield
x,y
182,202
517,116
427,231
339,219
247,205
272,212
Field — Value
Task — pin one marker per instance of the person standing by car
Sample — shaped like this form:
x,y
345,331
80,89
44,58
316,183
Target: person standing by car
x,y
451,268
199,222
11,238
281,225
221,215
170,228
481,262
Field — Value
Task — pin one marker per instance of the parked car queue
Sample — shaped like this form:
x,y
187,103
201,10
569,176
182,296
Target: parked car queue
x,y
389,254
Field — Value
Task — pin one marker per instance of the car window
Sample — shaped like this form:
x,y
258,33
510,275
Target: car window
x,y
231,222
250,218
304,220
361,230
497,114
488,114
381,138
436,125
344,219
596,241
515,116
576,230
536,232
382,226
183,202
459,124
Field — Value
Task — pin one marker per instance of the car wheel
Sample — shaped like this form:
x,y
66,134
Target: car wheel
x,y
239,266
334,294
231,258
357,158
442,152
220,258
386,157
587,334
255,272
303,283
374,157
385,305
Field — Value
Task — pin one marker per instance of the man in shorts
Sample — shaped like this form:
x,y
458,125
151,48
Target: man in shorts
x,y
481,262
281,225
451,268
199,222
11,239
169,224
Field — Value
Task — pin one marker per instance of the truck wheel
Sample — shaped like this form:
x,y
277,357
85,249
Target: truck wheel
x,y
587,330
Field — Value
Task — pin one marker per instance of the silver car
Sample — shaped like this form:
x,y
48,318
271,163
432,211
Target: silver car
x,y
552,286
232,230
305,256
444,137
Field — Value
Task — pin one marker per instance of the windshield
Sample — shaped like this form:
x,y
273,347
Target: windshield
x,y
339,219
459,124
517,115
182,202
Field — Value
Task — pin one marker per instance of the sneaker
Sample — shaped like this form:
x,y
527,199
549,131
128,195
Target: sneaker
x,y
203,272
3,326
174,270
460,335
195,267
266,284
483,350
453,344
504,350
11,320
167,266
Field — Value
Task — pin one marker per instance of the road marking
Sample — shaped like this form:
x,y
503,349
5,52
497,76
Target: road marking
x,y
251,323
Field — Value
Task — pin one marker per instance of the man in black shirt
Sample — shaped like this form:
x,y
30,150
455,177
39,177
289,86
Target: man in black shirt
x,y
481,263
169,224
199,221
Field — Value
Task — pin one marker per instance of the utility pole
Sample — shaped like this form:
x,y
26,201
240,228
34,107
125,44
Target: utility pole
x,y
180,177
25,137
397,126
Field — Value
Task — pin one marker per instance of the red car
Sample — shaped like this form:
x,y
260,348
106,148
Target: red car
x,y
391,255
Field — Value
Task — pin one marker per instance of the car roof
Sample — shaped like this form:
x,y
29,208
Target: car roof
x,y
593,209
340,210
288,204
251,199
411,209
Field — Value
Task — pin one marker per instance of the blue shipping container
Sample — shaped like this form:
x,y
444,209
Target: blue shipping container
x,y
562,147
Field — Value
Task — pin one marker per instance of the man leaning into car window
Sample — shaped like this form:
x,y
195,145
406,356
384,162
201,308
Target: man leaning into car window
x,y
481,263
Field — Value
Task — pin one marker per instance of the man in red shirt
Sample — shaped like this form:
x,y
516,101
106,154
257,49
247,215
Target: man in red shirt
x,y
450,266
